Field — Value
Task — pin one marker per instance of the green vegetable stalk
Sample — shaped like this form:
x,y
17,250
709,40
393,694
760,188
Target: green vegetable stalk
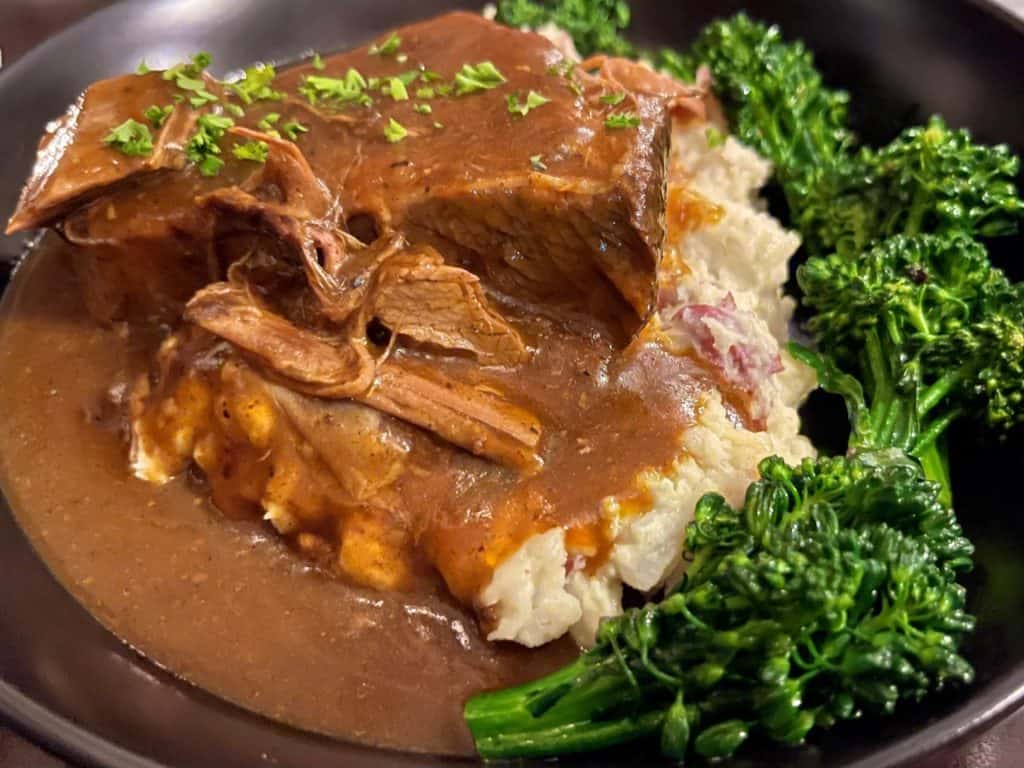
x,y
933,330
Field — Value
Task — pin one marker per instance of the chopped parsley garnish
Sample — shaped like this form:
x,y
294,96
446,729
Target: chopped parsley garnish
x,y
430,76
255,85
402,58
423,109
614,99
396,89
622,120
203,148
477,77
130,138
292,129
438,125
189,77
387,48
318,63
192,68
444,89
537,161
234,109
394,131
409,77
350,89
425,93
157,115
143,68
201,98
267,124
522,108
257,151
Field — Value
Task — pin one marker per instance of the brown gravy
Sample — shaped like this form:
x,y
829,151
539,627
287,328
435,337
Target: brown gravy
x,y
222,603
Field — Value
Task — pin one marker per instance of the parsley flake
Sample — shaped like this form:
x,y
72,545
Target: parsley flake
x,y
257,151
350,89
189,77
425,93
143,68
395,131
234,109
522,108
477,77
402,58
614,99
157,115
203,148
423,109
622,120
255,85
130,138
293,129
537,161
396,89
317,62
270,119
438,125
387,48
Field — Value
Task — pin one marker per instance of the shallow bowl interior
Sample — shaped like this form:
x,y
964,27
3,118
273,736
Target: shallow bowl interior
x,y
72,686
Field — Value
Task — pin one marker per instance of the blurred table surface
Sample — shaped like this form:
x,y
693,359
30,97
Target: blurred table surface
x,y
23,24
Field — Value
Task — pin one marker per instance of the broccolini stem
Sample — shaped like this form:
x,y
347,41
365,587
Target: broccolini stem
x,y
918,209
567,737
559,713
935,464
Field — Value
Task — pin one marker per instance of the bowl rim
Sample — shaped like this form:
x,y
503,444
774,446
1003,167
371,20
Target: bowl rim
x,y
68,740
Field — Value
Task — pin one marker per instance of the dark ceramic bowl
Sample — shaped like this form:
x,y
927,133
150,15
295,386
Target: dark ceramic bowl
x,y
72,686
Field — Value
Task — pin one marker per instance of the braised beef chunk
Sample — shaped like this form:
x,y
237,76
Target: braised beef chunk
x,y
74,165
553,204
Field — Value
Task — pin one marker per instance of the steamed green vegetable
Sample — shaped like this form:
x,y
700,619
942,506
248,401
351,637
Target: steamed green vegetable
x,y
833,590
933,330
928,179
595,25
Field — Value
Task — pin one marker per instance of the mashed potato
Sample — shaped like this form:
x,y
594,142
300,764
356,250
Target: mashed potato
x,y
737,266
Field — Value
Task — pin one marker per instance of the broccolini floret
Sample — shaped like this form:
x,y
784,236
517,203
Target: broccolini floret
x,y
595,25
932,329
929,179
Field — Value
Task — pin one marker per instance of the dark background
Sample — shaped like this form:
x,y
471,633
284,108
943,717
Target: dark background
x,y
24,23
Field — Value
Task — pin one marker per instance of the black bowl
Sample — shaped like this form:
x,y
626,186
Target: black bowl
x,y
71,685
